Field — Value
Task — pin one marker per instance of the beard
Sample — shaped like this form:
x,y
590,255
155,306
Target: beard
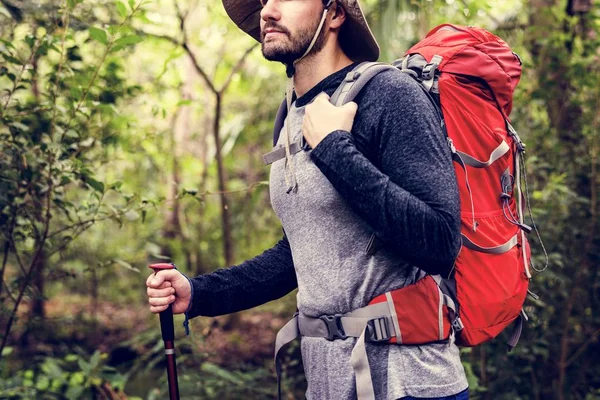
x,y
295,46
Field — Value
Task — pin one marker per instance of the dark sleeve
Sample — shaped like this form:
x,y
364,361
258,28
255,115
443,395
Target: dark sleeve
x,y
411,198
266,277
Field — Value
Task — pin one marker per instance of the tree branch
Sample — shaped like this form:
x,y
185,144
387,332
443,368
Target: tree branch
x,y
237,67
582,348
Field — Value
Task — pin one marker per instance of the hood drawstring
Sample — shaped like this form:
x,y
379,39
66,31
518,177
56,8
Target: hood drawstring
x,y
290,179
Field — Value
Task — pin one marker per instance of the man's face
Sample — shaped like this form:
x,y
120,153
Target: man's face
x,y
287,28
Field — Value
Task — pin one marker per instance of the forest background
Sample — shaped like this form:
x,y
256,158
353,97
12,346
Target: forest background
x,y
131,132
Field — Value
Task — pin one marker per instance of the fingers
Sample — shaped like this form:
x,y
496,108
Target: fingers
x,y
161,301
162,292
161,279
159,309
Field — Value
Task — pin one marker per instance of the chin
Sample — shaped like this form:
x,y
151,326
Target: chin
x,y
273,52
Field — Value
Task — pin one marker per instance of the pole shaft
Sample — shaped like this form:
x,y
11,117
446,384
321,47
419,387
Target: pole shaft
x,y
171,370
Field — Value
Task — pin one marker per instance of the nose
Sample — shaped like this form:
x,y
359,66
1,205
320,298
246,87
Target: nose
x,y
270,11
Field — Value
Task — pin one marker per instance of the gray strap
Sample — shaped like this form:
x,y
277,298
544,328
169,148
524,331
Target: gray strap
x,y
286,335
362,371
429,80
490,250
498,152
516,333
278,152
392,308
355,80
447,299
352,323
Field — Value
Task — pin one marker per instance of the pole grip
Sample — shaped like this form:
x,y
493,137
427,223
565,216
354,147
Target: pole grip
x,y
167,326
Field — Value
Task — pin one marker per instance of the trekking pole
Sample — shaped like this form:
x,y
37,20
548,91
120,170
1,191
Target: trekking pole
x,y
168,335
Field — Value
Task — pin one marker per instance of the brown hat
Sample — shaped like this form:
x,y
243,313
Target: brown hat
x,y
356,38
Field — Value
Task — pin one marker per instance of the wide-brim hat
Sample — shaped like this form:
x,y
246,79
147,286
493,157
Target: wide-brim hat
x,y
355,36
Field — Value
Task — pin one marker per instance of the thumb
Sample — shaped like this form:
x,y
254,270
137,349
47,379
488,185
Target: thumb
x,y
351,106
161,277
322,96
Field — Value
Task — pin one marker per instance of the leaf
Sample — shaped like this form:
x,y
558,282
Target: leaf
x,y
74,392
125,264
84,366
20,126
12,59
30,40
95,360
122,9
76,92
132,4
221,373
116,185
132,215
94,184
99,35
130,39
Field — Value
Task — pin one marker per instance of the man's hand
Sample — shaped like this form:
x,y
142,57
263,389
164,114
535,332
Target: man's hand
x,y
166,287
321,118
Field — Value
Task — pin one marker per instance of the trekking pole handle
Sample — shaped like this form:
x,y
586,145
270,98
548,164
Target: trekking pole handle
x,y
167,330
167,327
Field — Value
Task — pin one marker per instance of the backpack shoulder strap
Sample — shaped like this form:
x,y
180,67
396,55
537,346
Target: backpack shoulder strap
x,y
352,84
355,80
279,119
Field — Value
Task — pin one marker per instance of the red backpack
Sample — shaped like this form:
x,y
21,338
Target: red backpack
x,y
470,75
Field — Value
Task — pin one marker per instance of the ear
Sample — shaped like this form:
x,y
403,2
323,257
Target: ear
x,y
338,16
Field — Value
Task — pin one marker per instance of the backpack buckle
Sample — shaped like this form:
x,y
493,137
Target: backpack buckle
x,y
335,330
378,330
457,324
428,72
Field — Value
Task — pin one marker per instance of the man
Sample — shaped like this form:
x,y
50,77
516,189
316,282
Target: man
x,y
379,167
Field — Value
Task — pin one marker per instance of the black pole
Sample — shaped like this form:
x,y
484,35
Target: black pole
x,y
167,329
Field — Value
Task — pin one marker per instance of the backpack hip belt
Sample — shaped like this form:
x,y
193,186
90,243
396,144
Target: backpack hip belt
x,y
416,314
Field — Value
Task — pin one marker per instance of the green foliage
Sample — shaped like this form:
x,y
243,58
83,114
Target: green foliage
x,y
72,377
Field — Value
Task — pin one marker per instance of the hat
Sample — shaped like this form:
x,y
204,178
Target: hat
x,y
356,37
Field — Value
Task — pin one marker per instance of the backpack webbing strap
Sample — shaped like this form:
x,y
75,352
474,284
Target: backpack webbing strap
x,y
517,330
498,152
355,80
279,152
286,335
503,248
372,323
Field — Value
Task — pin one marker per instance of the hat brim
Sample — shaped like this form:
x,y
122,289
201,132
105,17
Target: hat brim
x,y
356,37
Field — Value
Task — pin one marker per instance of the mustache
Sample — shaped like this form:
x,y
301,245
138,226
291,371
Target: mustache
x,y
272,25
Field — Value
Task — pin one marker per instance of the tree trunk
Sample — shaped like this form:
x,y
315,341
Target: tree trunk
x,y
225,218
37,310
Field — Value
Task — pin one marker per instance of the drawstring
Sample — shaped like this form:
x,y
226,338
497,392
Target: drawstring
x,y
290,180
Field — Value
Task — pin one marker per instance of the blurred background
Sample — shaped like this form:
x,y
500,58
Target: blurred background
x,y
131,132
